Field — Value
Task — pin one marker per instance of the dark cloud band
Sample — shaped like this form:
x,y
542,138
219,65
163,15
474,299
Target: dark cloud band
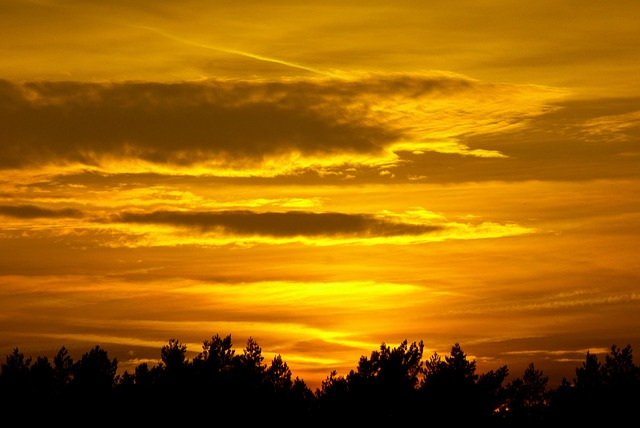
x,y
180,123
280,224
33,211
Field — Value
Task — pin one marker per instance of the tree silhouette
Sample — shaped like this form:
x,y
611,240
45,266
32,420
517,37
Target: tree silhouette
x,y
301,400
43,379
391,385
333,397
618,369
94,374
449,388
62,368
248,375
278,376
621,382
15,380
216,358
526,398
251,359
213,371
174,357
385,382
590,377
490,394
601,392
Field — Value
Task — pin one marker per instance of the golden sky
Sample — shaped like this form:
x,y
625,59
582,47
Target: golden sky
x,y
323,178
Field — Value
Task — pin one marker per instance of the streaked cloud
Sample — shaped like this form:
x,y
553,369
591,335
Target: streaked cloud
x,y
261,128
284,224
33,211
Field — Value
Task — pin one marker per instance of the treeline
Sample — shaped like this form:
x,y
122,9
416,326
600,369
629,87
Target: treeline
x,y
392,385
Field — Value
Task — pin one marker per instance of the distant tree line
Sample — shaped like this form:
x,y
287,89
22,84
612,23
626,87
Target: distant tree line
x,y
391,386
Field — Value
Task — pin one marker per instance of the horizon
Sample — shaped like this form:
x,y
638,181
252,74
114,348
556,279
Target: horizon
x,y
559,373
322,178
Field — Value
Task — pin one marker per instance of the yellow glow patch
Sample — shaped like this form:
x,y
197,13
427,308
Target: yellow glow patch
x,y
351,294
119,340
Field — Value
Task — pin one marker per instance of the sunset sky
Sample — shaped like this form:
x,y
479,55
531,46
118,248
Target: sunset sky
x,y
322,177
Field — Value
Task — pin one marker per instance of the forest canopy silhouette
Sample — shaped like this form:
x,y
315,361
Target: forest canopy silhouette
x,y
391,384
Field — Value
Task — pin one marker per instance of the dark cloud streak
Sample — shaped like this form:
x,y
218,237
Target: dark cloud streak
x,y
280,224
178,123
183,123
33,211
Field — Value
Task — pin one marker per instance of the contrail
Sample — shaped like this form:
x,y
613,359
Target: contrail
x,y
236,52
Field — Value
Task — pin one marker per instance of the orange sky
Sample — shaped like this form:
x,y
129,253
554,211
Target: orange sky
x,y
322,178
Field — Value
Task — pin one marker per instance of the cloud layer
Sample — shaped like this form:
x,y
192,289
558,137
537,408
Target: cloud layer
x,y
240,124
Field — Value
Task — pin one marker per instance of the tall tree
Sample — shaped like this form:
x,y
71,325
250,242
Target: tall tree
x,y
95,372
449,386
174,356
43,380
216,357
63,368
589,377
385,382
278,376
622,384
249,372
526,397
618,370
14,382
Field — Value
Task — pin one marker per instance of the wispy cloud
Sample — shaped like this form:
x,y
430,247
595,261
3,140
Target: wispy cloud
x,y
238,52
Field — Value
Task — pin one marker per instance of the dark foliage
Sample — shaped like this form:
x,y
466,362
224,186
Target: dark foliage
x,y
392,385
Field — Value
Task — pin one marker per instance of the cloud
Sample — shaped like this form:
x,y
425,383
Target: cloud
x,y
578,140
33,211
238,125
173,123
613,128
281,224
